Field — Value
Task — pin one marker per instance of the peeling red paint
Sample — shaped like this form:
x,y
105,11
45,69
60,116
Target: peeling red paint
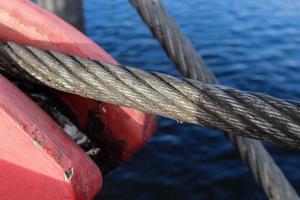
x,y
24,22
35,153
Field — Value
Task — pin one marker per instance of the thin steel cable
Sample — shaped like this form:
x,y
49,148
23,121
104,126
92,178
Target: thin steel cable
x,y
227,109
190,64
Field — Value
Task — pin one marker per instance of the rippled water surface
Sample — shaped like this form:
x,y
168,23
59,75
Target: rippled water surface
x,y
250,45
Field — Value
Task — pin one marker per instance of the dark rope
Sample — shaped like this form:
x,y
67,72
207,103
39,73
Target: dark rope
x,y
230,110
185,57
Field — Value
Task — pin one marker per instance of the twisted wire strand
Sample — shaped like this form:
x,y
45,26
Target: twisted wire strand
x,y
227,109
175,44
252,152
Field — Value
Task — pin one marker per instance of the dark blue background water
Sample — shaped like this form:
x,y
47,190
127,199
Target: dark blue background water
x,y
250,45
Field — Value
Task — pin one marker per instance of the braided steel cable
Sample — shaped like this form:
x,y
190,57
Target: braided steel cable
x,y
190,64
173,41
230,110
175,44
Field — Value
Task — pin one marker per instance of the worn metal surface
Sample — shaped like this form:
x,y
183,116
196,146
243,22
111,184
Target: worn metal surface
x,y
69,10
121,131
38,160
191,65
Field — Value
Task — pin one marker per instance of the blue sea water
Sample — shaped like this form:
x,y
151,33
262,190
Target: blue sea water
x,y
249,45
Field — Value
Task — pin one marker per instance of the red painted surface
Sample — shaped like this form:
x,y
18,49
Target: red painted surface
x,y
25,23
35,153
